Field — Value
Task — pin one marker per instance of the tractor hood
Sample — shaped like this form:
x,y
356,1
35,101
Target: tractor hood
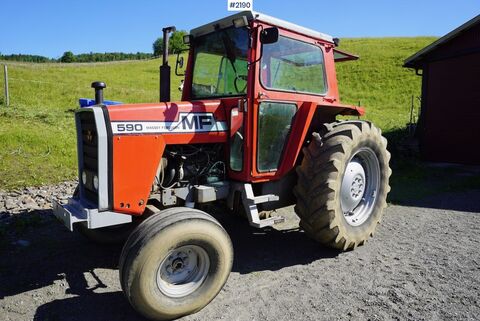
x,y
168,118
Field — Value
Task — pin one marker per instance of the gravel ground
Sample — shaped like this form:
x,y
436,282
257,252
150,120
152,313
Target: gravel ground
x,y
423,264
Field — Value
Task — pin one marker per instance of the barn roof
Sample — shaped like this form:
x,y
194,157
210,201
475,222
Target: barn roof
x,y
416,60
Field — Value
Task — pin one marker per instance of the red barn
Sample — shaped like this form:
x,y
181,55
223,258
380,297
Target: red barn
x,y
449,124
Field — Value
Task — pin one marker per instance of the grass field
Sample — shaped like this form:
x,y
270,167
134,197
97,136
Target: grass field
x,y
37,140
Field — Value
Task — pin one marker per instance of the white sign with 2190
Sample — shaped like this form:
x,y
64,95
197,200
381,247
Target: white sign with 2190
x,y
235,5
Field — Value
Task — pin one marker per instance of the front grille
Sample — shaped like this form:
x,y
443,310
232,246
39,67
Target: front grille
x,y
89,149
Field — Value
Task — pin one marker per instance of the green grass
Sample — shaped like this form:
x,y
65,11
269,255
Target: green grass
x,y
37,130
37,139
378,81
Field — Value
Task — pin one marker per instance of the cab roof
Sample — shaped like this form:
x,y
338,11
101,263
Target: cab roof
x,y
253,15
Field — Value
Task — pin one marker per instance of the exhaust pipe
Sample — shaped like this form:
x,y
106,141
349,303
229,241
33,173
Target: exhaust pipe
x,y
98,86
165,68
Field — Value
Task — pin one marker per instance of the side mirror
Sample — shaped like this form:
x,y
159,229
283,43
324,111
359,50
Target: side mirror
x,y
179,70
187,39
269,35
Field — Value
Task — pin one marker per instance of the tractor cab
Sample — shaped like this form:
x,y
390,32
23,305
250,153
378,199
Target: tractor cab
x,y
271,76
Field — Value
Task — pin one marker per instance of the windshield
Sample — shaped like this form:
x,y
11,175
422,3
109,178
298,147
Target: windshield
x,y
220,64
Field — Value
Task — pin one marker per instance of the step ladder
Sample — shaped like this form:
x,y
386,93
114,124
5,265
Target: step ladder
x,y
250,202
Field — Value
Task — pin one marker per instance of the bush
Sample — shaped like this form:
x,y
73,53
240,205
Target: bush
x,y
158,47
25,58
67,57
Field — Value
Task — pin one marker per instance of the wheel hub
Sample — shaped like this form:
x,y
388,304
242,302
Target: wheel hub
x,y
183,271
177,264
353,186
359,187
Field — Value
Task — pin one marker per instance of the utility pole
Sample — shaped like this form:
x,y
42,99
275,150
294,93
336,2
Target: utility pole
x,y
5,73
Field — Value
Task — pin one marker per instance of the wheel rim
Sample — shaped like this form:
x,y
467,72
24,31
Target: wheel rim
x,y
183,271
359,187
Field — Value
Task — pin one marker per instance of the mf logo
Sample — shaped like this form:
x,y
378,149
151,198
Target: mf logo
x,y
197,121
186,123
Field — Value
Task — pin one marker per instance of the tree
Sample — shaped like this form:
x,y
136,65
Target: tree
x,y
68,56
176,41
158,47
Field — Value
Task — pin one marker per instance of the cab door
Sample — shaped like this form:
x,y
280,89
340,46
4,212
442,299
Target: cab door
x,y
290,82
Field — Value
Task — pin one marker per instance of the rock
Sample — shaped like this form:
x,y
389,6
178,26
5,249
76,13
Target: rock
x,y
10,203
34,198
27,201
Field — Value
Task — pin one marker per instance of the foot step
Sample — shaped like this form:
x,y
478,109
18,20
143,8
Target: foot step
x,y
250,202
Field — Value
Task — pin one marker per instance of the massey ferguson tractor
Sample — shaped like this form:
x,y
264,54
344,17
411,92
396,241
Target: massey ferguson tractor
x,y
256,129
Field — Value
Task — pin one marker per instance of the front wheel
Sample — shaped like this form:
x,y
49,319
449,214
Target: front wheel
x,y
343,183
174,263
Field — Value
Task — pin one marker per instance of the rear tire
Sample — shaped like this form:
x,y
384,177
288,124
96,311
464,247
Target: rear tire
x,y
174,263
343,183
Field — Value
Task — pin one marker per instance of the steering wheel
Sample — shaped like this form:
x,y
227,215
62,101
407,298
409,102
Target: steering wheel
x,y
241,77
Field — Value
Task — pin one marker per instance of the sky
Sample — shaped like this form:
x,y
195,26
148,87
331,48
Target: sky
x,y
51,27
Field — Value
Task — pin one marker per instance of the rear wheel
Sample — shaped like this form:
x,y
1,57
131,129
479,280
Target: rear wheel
x,y
343,184
174,263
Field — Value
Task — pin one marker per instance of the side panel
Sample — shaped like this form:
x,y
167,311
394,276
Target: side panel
x,y
135,161
140,134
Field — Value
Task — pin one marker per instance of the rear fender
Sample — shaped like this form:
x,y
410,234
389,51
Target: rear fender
x,y
328,113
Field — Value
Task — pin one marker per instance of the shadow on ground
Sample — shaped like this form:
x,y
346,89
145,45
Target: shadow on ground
x,y
92,306
430,185
55,255
440,186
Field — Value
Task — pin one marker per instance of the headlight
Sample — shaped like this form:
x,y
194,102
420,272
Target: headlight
x,y
95,182
84,177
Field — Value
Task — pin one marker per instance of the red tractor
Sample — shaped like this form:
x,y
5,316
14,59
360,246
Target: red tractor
x,y
256,129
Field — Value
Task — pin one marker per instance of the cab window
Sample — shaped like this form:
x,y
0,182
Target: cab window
x,y
274,124
294,66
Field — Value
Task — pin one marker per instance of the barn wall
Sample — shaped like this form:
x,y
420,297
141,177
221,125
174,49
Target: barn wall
x,y
451,128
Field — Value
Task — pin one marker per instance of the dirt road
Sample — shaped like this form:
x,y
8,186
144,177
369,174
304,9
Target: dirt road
x,y
423,264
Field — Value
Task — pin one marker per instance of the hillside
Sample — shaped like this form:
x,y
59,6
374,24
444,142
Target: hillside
x,y
37,140
378,81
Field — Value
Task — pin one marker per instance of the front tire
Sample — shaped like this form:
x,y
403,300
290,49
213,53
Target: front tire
x,y
175,263
343,183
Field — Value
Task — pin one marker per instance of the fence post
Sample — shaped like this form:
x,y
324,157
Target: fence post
x,y
5,73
